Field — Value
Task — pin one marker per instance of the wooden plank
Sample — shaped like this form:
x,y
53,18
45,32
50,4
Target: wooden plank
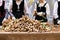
x,y
29,36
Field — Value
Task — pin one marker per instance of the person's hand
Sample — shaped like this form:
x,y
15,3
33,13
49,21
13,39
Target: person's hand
x,y
4,20
13,18
35,13
40,13
58,22
43,13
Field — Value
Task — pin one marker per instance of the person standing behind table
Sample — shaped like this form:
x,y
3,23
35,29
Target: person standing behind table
x,y
41,10
19,8
2,11
56,13
7,9
31,4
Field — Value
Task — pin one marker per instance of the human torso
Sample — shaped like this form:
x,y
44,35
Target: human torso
x,y
41,8
18,9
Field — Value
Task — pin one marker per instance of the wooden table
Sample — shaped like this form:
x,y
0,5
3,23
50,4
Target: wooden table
x,y
53,35
29,36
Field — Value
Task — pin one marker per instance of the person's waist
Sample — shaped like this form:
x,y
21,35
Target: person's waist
x,y
18,12
40,11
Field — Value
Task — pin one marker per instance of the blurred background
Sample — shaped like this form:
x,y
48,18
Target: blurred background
x,y
51,4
